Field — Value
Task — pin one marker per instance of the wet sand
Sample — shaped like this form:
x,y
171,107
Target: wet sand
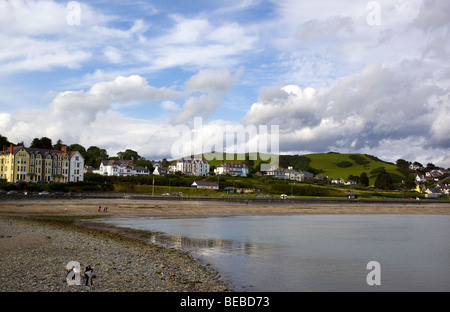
x,y
129,207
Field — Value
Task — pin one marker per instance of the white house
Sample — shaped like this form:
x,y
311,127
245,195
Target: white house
x,y
276,173
235,170
292,174
338,181
158,168
76,167
172,168
141,171
205,185
306,176
420,179
192,166
116,168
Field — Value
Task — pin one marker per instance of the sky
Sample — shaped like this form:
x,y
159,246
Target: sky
x,y
355,76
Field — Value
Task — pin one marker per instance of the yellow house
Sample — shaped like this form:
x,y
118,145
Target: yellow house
x,y
420,188
18,163
14,164
45,165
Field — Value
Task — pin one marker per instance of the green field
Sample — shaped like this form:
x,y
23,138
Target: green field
x,y
332,165
216,158
328,163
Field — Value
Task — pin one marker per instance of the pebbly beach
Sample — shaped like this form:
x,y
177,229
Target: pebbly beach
x,y
39,238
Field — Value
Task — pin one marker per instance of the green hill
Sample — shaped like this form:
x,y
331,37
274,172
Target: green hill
x,y
335,165
253,160
332,165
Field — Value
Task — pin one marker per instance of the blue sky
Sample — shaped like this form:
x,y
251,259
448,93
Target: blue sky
x,y
365,76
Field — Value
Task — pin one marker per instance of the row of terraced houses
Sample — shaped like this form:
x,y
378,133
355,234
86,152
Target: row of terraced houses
x,y
19,163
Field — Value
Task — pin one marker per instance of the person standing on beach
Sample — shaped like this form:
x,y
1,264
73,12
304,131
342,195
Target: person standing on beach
x,y
99,208
89,274
10,222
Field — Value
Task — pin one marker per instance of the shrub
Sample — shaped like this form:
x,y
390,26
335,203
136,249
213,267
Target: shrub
x,y
344,164
359,159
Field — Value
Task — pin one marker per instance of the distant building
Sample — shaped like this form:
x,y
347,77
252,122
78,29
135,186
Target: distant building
x,y
121,168
159,169
276,173
338,181
205,185
116,167
76,170
142,171
242,190
232,169
192,166
19,163
352,195
291,174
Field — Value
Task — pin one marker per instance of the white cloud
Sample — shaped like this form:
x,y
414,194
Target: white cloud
x,y
198,43
113,54
214,84
170,106
213,81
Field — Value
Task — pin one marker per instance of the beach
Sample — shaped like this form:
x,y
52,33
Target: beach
x,y
34,251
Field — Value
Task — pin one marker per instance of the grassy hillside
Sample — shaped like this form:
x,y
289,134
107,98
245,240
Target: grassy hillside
x,y
333,165
252,159
336,165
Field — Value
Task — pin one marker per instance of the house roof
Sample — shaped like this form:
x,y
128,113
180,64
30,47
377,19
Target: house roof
x,y
111,162
203,183
192,160
233,165
33,150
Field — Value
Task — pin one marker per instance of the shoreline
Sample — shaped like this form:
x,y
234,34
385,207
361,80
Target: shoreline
x,y
166,208
46,235
34,254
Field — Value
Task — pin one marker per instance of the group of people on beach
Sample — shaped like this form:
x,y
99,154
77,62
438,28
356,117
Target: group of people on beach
x,y
88,274
105,209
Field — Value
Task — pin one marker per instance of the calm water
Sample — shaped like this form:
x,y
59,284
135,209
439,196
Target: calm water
x,y
313,252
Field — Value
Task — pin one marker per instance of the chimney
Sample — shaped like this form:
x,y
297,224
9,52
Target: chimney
x,y
64,148
11,149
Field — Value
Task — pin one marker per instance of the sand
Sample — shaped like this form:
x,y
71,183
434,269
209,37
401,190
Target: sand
x,y
129,207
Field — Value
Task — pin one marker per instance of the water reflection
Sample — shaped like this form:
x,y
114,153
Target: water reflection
x,y
201,246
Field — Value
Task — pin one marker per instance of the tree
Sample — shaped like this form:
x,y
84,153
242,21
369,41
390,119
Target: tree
x,y
384,181
43,142
4,141
165,162
58,145
78,148
129,155
402,164
353,178
146,164
94,156
363,179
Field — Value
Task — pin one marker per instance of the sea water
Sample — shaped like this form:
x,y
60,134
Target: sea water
x,y
313,252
